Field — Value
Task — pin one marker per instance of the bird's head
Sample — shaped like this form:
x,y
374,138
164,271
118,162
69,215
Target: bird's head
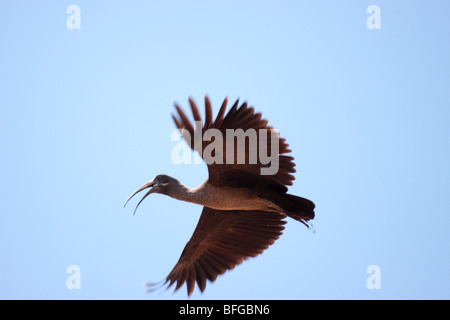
x,y
160,184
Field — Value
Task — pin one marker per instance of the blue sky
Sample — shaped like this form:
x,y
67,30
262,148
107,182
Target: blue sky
x,y
85,120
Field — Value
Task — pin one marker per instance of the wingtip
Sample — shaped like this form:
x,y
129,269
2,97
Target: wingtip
x,y
177,106
194,109
154,286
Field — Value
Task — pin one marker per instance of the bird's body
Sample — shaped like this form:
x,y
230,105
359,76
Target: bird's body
x,y
243,209
223,198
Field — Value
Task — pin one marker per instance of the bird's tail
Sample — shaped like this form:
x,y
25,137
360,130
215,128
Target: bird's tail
x,y
297,208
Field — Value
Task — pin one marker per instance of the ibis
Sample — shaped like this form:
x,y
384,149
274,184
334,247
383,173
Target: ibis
x,y
244,209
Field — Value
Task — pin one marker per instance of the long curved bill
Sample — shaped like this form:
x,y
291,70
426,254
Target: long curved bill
x,y
145,186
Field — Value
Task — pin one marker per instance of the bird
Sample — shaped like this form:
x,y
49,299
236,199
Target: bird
x,y
244,211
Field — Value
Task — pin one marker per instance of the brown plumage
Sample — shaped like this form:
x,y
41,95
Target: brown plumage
x,y
243,210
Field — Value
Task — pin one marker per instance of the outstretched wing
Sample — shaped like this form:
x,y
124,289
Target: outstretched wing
x,y
222,240
259,151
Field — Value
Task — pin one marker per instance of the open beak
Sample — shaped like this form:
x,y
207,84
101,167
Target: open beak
x,y
145,186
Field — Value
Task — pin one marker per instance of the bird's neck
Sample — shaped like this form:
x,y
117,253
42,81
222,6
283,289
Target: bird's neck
x,y
184,193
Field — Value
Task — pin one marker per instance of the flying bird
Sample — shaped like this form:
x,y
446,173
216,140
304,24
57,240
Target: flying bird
x,y
243,209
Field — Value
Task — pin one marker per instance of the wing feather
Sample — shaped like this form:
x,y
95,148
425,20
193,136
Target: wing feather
x,y
231,237
245,118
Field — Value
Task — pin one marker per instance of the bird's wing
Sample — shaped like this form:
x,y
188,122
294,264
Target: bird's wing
x,y
231,171
222,240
